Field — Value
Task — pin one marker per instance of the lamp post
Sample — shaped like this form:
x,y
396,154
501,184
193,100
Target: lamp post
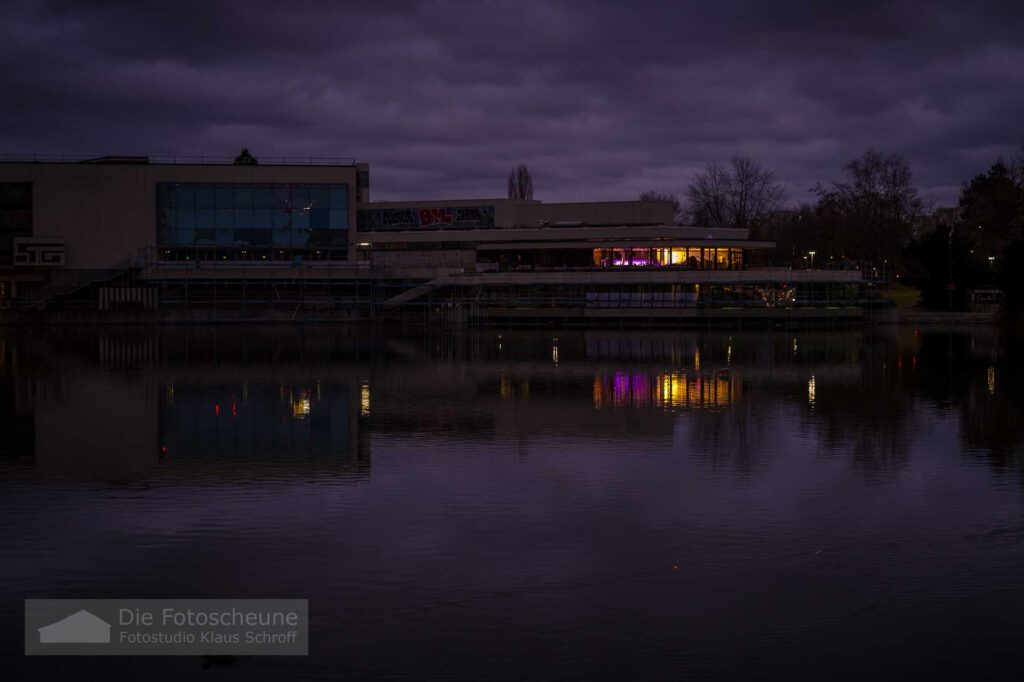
x,y
992,268
812,258
949,285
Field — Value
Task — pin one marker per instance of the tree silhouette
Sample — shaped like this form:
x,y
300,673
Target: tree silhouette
x,y
742,194
245,158
875,206
520,184
677,207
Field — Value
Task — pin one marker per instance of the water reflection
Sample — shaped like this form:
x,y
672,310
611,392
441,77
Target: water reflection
x,y
668,390
119,402
599,494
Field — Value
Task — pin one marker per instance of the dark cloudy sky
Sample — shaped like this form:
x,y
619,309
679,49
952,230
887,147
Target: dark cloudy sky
x,y
600,99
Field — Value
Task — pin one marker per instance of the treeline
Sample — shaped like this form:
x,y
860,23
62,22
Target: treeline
x,y
875,219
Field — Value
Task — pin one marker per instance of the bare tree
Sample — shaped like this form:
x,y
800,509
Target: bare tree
x,y
1017,167
677,208
742,194
520,184
875,206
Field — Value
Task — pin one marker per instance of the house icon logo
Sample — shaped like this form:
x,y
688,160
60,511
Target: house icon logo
x,y
80,627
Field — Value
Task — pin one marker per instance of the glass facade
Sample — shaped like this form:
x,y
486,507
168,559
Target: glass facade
x,y
680,257
15,216
252,215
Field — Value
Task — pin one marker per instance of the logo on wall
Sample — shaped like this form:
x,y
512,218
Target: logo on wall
x,y
428,217
49,252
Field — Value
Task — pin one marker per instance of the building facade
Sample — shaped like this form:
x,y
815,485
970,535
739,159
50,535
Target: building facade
x,y
180,238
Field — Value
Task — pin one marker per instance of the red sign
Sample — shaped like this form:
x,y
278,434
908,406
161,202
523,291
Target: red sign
x,y
435,216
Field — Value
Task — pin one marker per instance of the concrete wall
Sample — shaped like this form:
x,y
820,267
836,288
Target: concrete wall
x,y
597,213
107,212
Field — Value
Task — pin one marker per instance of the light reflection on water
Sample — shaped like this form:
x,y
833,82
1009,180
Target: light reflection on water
x,y
519,504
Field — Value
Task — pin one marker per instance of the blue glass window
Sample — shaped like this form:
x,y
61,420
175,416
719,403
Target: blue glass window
x,y
243,218
206,217
239,214
243,196
263,197
225,217
186,195
186,219
262,218
225,196
300,196
282,238
319,218
282,219
319,197
205,196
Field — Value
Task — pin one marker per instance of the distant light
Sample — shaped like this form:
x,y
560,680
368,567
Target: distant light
x,y
300,408
364,400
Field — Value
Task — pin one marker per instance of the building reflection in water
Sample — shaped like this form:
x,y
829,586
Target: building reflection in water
x,y
116,403
258,420
667,390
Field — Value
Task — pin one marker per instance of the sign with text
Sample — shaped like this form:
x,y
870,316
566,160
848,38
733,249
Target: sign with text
x,y
166,627
425,217
40,251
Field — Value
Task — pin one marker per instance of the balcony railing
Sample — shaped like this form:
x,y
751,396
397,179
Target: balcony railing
x,y
184,159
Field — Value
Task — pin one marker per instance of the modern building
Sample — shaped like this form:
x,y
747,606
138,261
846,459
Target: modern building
x,y
209,239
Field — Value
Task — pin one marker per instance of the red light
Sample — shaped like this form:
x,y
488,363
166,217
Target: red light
x,y
216,409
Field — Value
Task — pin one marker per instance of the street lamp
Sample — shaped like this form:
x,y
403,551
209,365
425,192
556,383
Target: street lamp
x,y
812,258
950,286
992,268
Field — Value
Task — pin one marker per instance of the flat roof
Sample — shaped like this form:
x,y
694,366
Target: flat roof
x,y
189,160
632,244
583,235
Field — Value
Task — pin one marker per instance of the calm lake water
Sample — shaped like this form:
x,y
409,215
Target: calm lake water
x,y
528,504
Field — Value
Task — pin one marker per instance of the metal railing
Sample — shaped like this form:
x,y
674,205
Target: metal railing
x,y
197,159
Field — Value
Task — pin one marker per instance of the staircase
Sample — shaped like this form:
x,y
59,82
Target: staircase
x,y
414,293
66,283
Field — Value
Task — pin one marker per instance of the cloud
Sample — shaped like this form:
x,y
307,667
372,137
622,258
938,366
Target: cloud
x,y
600,99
